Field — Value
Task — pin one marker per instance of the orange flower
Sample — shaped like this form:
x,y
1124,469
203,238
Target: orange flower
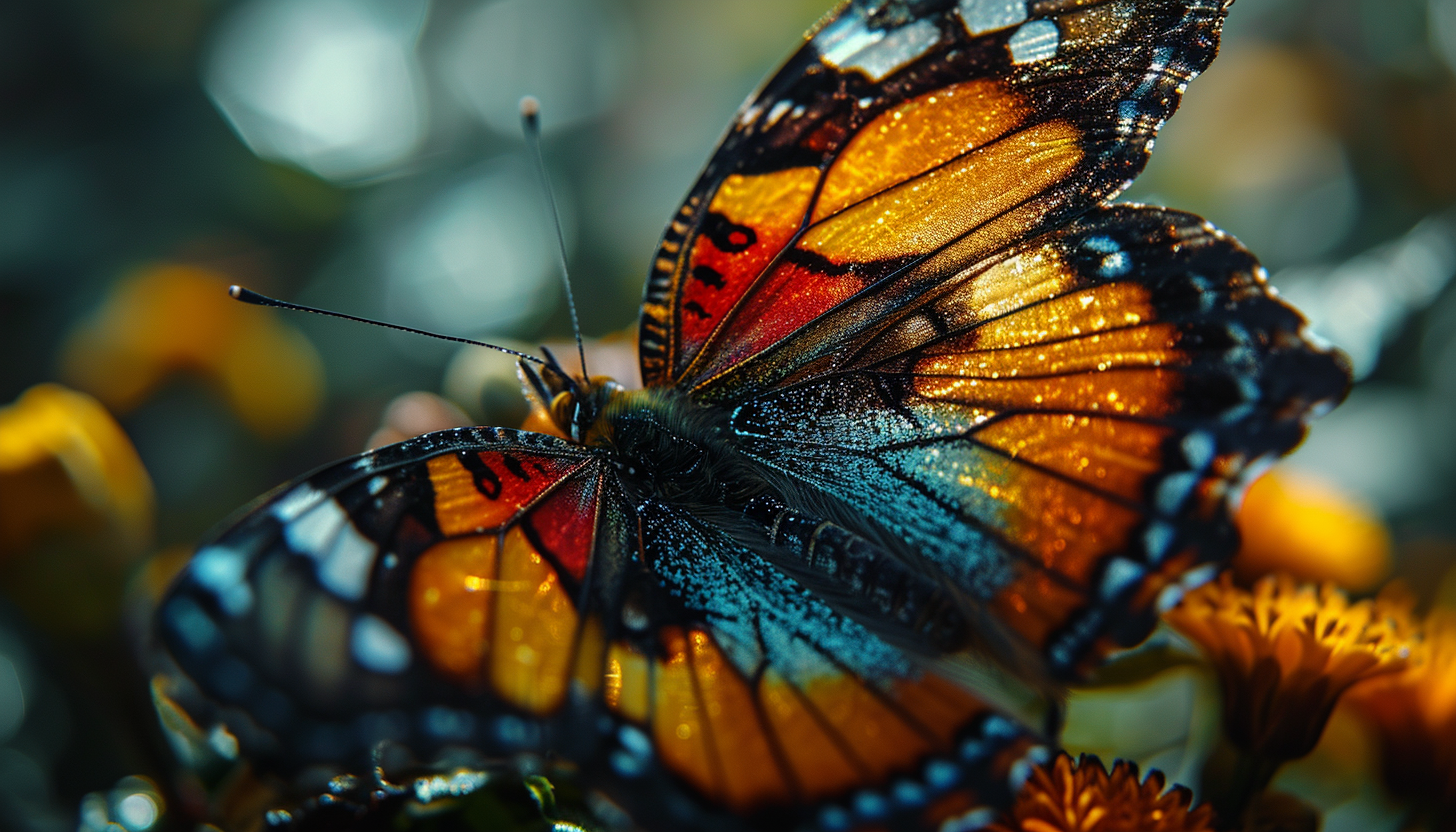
x,y
1083,797
1285,653
1414,715
1296,523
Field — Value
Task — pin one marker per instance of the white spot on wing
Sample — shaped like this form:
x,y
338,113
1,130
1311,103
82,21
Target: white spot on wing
x,y
377,646
1173,594
344,571
325,533
1116,264
1034,41
296,502
1174,489
1156,541
840,40
777,112
1121,573
980,16
1198,449
895,50
222,570
311,529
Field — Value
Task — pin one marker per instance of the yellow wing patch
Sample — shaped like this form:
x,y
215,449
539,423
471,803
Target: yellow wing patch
x,y
923,214
493,614
917,135
776,201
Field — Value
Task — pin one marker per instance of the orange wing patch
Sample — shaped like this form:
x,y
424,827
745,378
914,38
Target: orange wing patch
x,y
1036,606
776,742
1114,455
1133,392
917,135
820,763
1091,310
627,686
535,623
452,606
924,213
954,167
1067,528
490,613
495,488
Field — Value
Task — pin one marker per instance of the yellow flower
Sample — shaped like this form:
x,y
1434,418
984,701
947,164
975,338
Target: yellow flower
x,y
173,318
66,466
1414,715
76,508
1285,653
1084,797
1296,523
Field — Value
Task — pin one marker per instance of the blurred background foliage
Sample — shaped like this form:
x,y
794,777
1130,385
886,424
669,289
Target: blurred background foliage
x,y
364,155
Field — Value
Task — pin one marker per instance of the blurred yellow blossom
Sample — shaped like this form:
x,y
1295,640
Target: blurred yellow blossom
x,y
1414,716
1298,524
65,465
174,318
1286,652
1083,797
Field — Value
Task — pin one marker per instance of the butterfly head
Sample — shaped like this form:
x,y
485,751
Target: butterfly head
x,y
574,403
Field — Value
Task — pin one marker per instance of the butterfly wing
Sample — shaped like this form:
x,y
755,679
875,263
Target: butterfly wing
x,y
771,704
497,590
427,593
902,140
1057,428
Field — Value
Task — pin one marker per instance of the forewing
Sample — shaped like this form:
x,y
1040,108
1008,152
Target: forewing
x,y
429,593
1058,430
901,139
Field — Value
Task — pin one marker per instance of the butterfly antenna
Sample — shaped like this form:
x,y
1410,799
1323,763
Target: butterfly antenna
x,y
249,296
531,124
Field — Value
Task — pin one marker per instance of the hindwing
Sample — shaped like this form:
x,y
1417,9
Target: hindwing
x,y
1057,428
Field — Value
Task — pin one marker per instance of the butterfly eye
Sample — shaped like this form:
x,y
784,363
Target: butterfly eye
x,y
563,409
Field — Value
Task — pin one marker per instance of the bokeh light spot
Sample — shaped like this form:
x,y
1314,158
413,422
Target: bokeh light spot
x,y
331,86
568,53
476,257
137,812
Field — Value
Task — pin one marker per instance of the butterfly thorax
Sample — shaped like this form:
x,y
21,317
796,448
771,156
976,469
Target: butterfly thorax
x,y
666,446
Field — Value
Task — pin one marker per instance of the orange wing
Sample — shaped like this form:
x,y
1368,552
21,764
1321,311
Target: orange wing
x,y
896,146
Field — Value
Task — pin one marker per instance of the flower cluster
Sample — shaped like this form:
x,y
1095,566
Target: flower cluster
x,y
1286,652
1082,796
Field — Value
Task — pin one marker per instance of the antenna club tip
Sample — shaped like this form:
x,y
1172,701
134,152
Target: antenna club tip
x,y
246,295
530,107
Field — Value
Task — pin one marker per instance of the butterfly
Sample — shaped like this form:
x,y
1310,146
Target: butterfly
x,y
929,426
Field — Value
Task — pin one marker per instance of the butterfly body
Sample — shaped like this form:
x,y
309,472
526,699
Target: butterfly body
x,y
928,427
